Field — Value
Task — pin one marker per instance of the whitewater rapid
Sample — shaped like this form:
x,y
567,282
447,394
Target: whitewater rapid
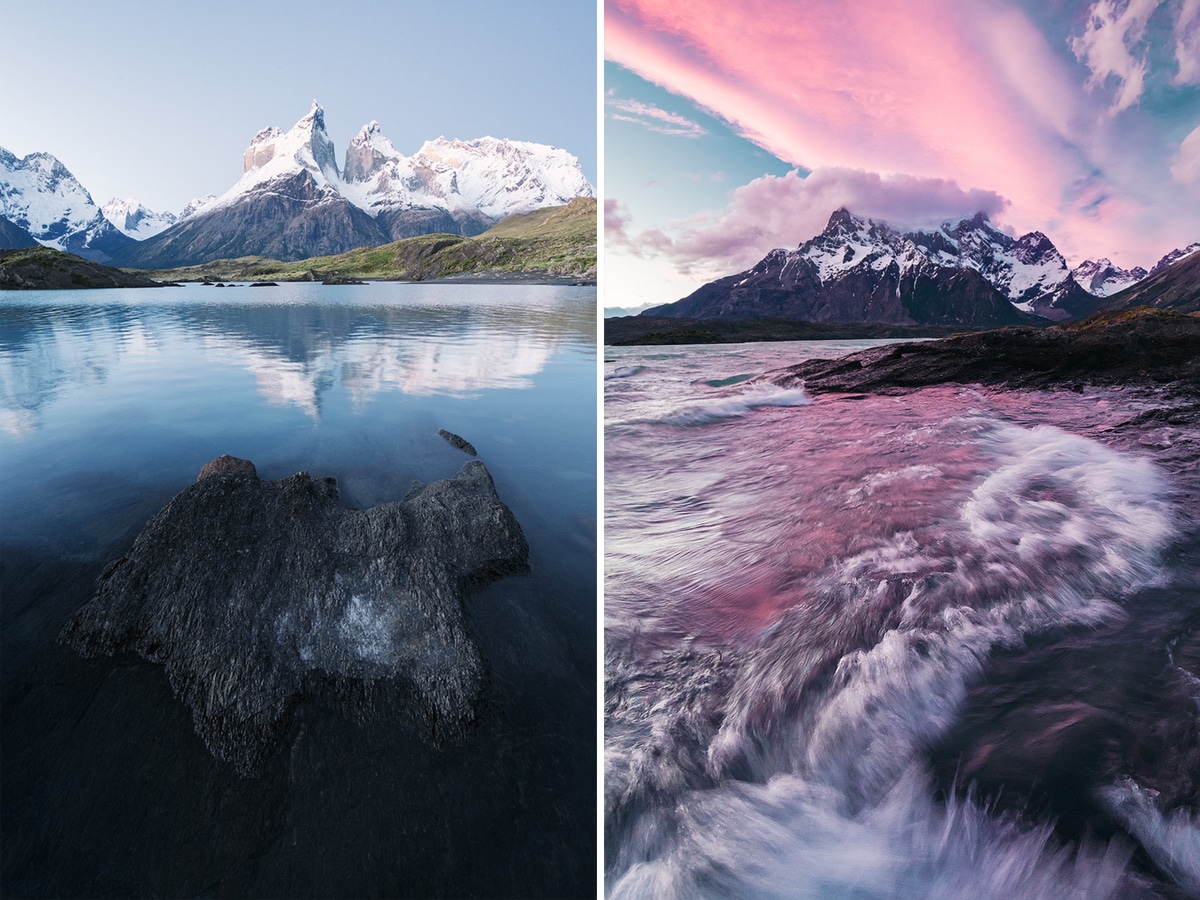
x,y
835,633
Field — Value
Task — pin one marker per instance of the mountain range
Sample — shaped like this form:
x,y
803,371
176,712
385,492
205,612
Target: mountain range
x,y
966,273
293,201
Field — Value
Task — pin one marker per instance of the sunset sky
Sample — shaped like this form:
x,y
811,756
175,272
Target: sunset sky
x,y
733,128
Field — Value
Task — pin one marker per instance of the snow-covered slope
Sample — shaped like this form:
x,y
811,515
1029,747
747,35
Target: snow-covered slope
x,y
486,179
194,205
847,271
134,220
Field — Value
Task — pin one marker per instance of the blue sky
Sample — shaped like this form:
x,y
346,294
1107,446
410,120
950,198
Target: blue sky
x,y
731,129
157,100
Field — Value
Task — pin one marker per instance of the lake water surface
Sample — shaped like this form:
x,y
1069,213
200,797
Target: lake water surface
x,y
110,403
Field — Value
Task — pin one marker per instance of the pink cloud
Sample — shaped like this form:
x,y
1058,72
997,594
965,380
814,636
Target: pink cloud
x,y
967,91
654,118
786,211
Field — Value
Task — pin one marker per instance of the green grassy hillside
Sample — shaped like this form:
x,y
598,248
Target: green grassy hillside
x,y
557,242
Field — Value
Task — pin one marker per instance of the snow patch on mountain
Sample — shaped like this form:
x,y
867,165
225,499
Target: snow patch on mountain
x,y
1175,256
195,205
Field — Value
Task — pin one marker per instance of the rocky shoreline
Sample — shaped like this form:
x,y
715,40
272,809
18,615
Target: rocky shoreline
x,y
1139,347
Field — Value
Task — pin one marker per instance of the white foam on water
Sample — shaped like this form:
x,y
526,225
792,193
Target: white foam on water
x,y
732,406
1172,841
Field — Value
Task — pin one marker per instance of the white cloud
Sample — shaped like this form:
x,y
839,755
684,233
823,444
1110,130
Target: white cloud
x,y
1187,42
1185,167
1111,46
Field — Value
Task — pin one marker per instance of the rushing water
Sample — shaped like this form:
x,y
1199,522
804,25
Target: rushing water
x,y
110,402
941,643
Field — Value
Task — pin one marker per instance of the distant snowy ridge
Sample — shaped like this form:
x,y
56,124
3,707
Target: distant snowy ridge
x,y
133,219
1029,270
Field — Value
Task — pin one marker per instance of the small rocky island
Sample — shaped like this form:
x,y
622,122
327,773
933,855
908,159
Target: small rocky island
x,y
250,592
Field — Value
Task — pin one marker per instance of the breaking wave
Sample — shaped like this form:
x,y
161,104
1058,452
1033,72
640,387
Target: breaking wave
x,y
797,768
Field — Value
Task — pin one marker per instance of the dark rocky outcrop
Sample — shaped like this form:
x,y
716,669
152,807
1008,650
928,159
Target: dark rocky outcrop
x,y
44,269
251,592
1140,346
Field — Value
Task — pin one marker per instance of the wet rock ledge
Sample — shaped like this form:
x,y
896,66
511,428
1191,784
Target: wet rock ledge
x,y
248,589
1142,346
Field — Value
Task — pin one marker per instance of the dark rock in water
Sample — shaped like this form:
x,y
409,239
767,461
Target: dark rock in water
x,y
1140,346
248,590
264,284
228,465
334,278
459,442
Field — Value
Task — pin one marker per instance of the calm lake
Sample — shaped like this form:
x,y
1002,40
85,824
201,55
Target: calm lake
x,y
111,402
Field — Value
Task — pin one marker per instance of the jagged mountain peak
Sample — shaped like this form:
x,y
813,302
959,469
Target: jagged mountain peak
x,y
842,220
274,153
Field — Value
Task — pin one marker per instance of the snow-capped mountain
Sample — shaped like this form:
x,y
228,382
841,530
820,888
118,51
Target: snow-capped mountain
x,y
845,273
856,270
134,220
40,195
293,202
1028,270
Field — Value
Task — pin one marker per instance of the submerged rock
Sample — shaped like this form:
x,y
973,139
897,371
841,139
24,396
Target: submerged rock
x,y
247,589
456,441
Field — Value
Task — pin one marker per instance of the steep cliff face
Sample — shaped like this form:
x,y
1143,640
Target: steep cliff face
x,y
295,219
